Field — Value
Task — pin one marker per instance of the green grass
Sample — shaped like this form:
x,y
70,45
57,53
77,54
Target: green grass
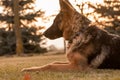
x,y
10,69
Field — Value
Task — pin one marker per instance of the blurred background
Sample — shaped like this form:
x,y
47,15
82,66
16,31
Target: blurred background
x,y
22,23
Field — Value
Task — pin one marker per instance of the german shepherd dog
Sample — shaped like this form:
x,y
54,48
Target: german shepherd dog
x,y
89,47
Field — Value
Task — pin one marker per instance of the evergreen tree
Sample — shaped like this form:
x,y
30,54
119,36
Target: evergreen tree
x,y
27,17
109,13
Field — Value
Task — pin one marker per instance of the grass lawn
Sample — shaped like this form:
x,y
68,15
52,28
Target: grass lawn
x,y
10,69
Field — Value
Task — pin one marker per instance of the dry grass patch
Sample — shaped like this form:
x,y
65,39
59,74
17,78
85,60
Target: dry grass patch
x,y
10,70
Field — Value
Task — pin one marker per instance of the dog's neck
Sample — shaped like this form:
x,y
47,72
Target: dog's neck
x,y
80,23
79,32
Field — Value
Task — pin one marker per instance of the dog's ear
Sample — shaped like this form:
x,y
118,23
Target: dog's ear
x,y
66,7
69,4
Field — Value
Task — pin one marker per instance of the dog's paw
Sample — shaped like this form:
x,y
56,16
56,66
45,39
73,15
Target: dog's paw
x,y
25,70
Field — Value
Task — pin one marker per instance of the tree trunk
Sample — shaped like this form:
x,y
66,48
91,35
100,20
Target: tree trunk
x,y
19,43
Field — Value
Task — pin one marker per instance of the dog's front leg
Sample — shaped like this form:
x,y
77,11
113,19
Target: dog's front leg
x,y
54,67
32,69
59,62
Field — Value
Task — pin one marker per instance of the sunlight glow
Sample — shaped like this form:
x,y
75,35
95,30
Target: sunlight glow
x,y
1,9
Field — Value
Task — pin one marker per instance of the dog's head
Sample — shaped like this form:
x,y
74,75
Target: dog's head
x,y
66,22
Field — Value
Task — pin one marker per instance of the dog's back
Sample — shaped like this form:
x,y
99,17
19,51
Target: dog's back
x,y
112,44
112,61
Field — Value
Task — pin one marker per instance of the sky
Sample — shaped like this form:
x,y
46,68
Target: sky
x,y
52,7
49,6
